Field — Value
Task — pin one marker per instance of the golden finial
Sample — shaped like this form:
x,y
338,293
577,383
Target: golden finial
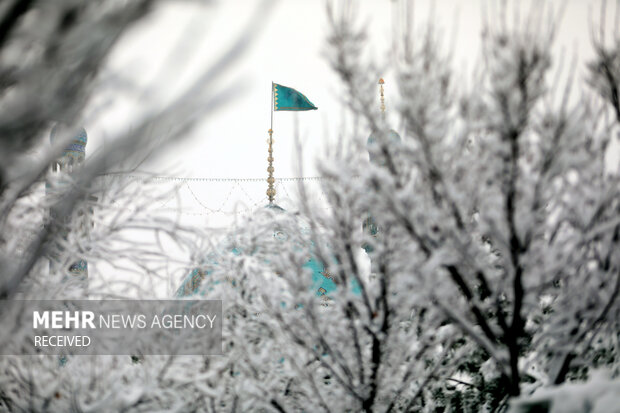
x,y
381,82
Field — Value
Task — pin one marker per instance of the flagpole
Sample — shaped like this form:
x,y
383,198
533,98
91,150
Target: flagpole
x,y
271,191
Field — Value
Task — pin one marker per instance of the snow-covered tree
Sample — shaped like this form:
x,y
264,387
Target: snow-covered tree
x,y
495,270
53,66
52,60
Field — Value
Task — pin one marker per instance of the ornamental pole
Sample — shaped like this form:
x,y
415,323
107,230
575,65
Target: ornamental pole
x,y
271,191
381,82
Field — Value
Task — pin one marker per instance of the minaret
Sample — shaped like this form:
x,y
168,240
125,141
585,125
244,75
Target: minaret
x,y
73,155
369,224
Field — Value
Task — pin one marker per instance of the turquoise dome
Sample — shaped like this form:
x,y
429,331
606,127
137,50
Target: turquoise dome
x,y
75,151
393,137
322,282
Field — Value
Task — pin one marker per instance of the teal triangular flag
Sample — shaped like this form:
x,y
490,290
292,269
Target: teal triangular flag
x,y
286,98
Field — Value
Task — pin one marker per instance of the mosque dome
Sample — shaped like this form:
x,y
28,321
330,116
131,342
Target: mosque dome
x,y
322,282
393,138
75,150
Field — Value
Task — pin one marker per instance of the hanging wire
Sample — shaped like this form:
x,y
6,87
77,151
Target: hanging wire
x,y
236,183
185,179
206,207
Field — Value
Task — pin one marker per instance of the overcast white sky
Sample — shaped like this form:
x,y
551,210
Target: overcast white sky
x,y
232,143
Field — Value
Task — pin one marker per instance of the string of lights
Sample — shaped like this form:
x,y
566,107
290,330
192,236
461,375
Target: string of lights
x,y
234,189
189,179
